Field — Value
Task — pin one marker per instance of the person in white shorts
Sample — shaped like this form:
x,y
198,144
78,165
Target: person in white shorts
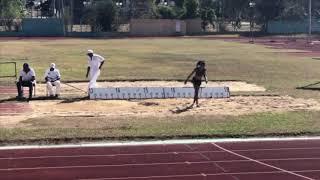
x,y
52,77
95,63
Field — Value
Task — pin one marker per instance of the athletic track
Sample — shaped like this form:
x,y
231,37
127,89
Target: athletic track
x,y
262,160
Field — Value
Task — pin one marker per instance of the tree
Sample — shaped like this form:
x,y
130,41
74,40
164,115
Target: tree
x,y
191,9
46,9
294,10
10,10
179,3
208,9
101,15
267,11
168,11
165,12
78,9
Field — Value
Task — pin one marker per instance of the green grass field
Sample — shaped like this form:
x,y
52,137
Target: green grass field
x,y
167,59
257,125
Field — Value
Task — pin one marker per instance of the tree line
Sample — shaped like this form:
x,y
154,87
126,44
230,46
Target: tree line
x,y
102,14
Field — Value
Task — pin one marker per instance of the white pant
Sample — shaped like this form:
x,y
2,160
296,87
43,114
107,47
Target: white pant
x,y
50,87
93,78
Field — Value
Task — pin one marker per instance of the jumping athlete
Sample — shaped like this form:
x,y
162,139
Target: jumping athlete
x,y
199,71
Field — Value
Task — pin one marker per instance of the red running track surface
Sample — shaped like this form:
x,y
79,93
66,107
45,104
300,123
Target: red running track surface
x,y
283,160
14,108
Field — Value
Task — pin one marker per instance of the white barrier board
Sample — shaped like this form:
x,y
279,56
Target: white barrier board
x,y
157,93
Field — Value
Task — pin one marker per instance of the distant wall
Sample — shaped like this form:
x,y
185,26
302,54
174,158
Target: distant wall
x,y
54,27
42,27
38,27
193,26
284,27
157,27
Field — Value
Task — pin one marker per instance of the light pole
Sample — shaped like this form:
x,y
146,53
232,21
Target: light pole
x,y
252,4
310,21
119,5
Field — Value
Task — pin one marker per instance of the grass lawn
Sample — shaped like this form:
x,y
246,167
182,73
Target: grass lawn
x,y
263,124
168,59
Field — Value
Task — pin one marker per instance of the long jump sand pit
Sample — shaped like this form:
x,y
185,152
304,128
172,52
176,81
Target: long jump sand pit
x,y
121,109
72,89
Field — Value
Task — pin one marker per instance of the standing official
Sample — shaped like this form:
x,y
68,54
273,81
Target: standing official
x,y
95,63
52,77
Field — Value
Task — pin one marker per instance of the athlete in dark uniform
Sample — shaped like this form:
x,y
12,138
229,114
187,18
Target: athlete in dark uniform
x,y
199,71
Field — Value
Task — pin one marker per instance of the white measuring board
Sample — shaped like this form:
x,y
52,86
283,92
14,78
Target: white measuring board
x,y
157,92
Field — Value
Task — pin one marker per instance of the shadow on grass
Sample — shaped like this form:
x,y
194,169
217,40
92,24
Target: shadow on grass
x,y
310,87
182,110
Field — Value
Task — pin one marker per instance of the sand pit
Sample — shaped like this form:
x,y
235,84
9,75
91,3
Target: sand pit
x,y
172,107
117,109
79,89
234,106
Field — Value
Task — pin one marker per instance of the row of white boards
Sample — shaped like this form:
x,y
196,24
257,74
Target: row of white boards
x,y
156,93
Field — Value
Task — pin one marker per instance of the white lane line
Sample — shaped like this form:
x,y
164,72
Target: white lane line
x,y
155,153
209,174
155,163
262,163
166,142
108,165
208,159
198,152
148,177
276,149
96,155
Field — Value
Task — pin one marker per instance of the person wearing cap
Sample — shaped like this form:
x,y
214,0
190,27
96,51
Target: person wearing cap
x,y
27,78
95,63
52,78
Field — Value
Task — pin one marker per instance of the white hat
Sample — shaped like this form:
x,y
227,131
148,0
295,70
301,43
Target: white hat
x,y
53,65
90,51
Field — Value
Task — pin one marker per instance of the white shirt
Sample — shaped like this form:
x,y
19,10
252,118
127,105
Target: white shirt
x,y
27,76
52,75
95,62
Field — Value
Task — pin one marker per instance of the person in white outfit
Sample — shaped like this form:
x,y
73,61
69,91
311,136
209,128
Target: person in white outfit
x,y
95,63
52,77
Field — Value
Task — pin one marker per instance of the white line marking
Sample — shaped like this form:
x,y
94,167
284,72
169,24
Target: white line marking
x,y
163,153
277,149
166,142
149,177
97,166
208,159
194,175
164,163
262,163
197,152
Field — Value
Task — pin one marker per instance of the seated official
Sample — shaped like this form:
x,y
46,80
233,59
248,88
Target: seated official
x,y
52,77
27,78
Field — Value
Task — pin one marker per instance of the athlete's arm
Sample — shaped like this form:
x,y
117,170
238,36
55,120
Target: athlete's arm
x,y
185,82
